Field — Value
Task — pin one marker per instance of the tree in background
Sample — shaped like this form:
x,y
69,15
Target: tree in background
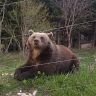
x,y
2,13
54,12
34,16
74,11
27,15
21,16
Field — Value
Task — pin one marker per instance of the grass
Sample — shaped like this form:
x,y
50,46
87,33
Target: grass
x,y
81,83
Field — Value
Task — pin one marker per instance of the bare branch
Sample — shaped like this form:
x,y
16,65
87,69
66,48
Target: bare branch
x,y
73,10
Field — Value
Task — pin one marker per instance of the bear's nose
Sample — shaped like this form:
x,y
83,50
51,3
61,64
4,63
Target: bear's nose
x,y
36,41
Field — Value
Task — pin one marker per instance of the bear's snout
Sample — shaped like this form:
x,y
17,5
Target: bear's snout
x,y
36,41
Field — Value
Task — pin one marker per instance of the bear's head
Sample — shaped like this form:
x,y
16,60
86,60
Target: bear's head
x,y
39,40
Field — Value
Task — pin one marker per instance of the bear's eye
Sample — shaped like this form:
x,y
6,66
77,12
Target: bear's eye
x,y
33,37
42,38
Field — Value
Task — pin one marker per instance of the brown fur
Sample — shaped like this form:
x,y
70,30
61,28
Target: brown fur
x,y
47,57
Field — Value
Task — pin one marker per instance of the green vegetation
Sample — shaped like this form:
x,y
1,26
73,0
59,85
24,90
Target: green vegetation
x,y
81,83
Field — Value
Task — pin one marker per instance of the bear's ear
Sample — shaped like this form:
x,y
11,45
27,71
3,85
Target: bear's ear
x,y
50,35
30,32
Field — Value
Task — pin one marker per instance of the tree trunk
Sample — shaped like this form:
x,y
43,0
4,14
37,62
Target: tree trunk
x,y
0,33
1,21
94,37
24,41
79,41
0,40
69,41
23,45
58,37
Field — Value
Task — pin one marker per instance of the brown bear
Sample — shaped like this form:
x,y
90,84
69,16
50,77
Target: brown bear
x,y
47,57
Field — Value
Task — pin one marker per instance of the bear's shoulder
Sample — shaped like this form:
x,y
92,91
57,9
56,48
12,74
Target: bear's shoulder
x,y
63,48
